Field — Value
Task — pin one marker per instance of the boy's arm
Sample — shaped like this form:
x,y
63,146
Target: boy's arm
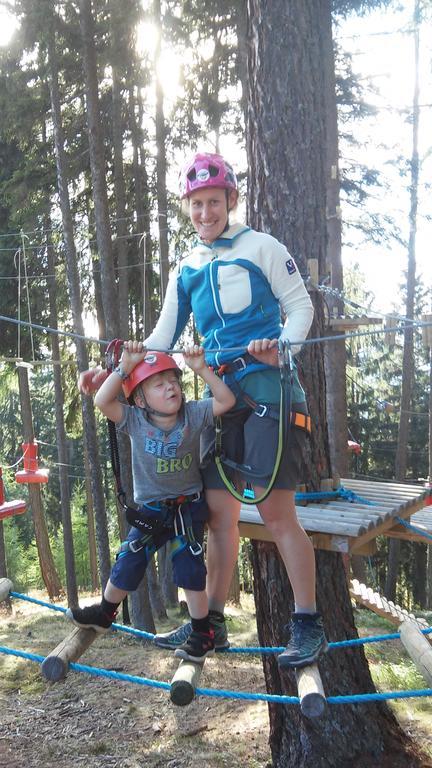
x,y
107,396
223,398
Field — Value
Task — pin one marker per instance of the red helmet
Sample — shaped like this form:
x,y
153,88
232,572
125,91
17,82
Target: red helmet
x,y
154,362
206,170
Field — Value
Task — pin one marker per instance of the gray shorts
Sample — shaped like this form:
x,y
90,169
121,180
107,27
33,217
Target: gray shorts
x,y
253,440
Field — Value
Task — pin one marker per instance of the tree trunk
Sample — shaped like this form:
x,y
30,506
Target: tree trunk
x,y
408,347
117,42
347,735
89,421
142,617
234,590
143,216
71,583
169,589
418,559
162,200
286,143
95,583
97,167
155,592
46,560
334,351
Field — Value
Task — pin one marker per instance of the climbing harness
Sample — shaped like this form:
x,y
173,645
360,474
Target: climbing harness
x,y
284,416
154,518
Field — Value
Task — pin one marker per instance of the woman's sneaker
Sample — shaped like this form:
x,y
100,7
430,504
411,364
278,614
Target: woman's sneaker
x,y
177,637
90,617
306,643
197,647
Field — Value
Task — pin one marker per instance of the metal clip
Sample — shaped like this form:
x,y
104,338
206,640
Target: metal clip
x,y
242,362
195,548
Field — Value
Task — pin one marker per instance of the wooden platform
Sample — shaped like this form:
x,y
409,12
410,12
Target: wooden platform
x,y
343,526
421,520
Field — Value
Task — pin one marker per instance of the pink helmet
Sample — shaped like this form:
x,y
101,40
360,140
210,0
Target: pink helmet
x,y
154,362
206,170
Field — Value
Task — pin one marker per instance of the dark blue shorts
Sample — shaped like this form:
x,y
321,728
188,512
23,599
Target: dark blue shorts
x,y
189,571
253,440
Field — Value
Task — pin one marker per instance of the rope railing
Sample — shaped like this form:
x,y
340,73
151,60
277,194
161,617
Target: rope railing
x,y
257,650
359,698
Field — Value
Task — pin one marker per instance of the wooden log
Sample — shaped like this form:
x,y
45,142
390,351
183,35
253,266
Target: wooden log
x,y
5,587
313,269
418,648
311,691
56,665
184,682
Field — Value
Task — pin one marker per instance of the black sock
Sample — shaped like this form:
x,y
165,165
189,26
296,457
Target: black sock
x,y
216,615
201,625
109,609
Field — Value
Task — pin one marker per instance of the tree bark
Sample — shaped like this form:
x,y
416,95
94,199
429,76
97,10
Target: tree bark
x,y
161,131
89,421
408,347
143,216
334,351
97,167
71,583
347,735
286,144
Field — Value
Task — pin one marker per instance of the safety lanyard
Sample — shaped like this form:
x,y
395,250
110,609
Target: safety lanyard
x,y
286,380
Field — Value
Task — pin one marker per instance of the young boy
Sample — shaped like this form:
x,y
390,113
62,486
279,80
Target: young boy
x,y
165,434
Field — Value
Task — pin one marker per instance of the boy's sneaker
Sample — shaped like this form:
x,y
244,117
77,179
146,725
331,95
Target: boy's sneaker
x,y
90,617
197,647
307,641
177,637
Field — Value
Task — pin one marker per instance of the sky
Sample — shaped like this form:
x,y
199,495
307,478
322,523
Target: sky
x,y
382,49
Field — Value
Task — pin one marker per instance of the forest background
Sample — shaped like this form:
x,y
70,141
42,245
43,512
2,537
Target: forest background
x,y
169,77
91,139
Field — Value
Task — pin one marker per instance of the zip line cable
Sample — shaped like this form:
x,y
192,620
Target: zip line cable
x,y
177,350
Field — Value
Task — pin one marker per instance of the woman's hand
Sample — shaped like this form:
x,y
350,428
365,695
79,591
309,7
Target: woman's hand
x,y
264,350
194,358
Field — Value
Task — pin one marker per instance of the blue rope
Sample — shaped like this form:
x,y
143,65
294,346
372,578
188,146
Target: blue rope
x,y
118,627
221,693
414,528
258,649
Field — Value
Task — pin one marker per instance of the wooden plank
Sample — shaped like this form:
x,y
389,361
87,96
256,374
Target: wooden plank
x,y
6,586
418,648
56,665
184,682
385,526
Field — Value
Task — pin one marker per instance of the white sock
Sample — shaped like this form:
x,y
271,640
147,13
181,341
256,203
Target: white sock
x,y
304,608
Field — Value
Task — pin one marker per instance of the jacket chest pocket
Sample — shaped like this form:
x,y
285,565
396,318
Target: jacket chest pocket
x,y
235,291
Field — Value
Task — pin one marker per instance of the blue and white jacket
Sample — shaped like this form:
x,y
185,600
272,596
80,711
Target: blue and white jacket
x,y
236,288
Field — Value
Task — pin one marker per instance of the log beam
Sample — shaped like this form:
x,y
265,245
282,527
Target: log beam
x,y
418,648
184,682
56,665
311,691
6,587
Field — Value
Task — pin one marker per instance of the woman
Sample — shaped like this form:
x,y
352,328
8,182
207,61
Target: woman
x,y
236,281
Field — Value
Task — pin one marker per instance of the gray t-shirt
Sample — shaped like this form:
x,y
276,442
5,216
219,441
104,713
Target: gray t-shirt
x,y
166,464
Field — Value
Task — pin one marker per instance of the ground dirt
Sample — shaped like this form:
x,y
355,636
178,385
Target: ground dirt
x,y
101,723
